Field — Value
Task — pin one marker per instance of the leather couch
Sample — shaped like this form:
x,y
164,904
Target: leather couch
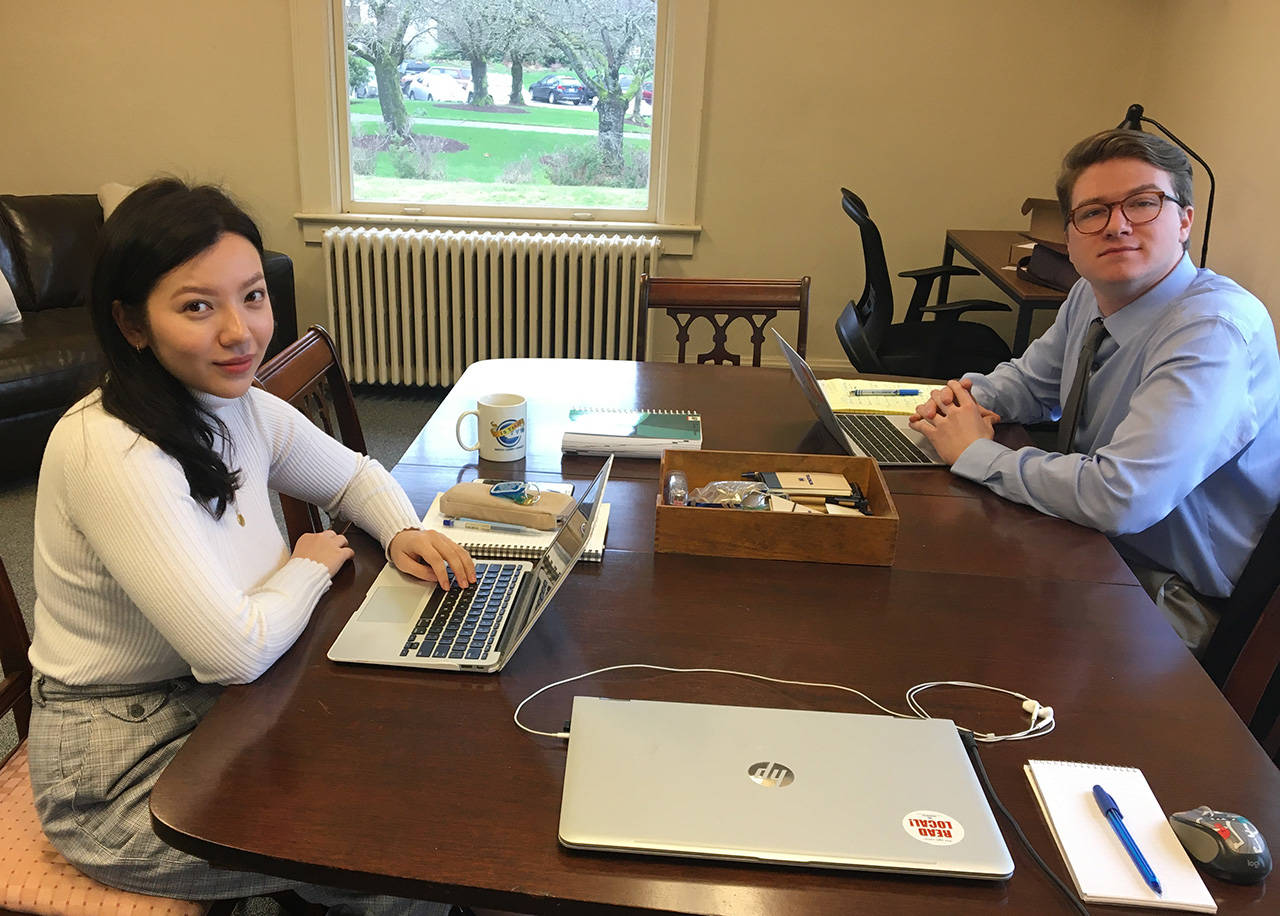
x,y
51,359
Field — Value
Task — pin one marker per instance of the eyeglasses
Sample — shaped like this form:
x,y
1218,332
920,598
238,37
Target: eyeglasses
x,y
1138,208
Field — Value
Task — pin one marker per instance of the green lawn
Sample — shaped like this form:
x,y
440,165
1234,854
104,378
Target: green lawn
x,y
490,150
374,187
575,116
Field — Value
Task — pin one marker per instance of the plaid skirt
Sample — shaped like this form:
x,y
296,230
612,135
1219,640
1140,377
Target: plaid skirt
x,y
95,753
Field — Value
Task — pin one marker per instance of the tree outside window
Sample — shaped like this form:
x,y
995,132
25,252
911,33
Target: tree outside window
x,y
507,103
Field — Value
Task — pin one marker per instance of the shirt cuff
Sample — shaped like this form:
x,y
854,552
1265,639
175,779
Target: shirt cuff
x,y
976,461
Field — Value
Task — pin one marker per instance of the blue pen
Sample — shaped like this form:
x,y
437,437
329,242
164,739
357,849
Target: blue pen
x,y
480,525
874,392
1107,805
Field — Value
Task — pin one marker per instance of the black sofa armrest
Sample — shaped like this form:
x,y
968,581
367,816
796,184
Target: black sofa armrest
x,y
278,268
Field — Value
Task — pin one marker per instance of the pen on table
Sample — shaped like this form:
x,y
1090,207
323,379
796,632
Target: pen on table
x,y
875,392
1111,811
479,525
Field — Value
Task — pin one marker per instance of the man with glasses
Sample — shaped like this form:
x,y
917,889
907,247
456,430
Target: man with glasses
x,y
1165,380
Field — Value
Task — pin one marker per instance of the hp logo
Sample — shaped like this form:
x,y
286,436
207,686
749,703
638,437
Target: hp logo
x,y
771,775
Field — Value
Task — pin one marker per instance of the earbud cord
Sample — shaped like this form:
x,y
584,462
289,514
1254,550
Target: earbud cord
x,y
1036,729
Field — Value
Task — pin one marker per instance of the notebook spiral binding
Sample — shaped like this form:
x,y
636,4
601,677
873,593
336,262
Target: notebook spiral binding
x,y
514,552
628,410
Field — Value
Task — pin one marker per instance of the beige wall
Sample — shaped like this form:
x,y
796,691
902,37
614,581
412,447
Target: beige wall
x,y
1214,84
939,114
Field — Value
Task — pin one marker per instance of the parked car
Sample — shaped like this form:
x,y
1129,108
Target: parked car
x,y
366,90
646,91
435,86
408,70
555,88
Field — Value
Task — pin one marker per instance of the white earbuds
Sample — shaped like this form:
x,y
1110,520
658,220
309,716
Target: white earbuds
x,y
1041,723
1037,711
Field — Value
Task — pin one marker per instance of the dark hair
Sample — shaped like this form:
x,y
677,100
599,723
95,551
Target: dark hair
x,y
1123,144
160,226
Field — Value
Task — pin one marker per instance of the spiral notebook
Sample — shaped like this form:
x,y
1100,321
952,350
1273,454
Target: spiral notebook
x,y
642,433
516,546
1099,865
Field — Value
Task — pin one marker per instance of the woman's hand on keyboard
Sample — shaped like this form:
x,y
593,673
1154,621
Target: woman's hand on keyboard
x,y
429,555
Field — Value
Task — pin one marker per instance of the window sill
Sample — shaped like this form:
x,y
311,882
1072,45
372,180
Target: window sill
x,y
676,240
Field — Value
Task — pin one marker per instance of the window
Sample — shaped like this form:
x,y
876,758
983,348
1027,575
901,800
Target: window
x,y
356,167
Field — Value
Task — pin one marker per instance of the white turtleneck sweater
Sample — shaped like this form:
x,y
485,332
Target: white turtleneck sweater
x,y
137,582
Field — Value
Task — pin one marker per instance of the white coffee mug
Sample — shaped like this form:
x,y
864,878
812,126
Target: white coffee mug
x,y
501,430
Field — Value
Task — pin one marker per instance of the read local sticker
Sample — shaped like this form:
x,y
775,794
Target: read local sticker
x,y
933,827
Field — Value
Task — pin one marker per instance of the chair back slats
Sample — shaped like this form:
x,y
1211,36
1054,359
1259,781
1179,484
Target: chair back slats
x,y
15,689
1243,609
309,376
721,302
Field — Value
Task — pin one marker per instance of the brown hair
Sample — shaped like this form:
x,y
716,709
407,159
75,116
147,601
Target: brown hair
x,y
1123,144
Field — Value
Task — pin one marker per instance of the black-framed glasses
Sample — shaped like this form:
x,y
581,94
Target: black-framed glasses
x,y
1139,207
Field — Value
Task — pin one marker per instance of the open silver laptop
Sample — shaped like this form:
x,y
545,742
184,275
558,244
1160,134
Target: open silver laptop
x,y
889,440
406,622
784,786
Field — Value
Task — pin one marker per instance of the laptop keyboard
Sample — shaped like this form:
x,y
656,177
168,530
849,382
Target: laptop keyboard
x,y
878,437
467,623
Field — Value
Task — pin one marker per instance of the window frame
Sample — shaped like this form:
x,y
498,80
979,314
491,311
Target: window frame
x,y
319,65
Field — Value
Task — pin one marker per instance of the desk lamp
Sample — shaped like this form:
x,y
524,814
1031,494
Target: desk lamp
x,y
1133,120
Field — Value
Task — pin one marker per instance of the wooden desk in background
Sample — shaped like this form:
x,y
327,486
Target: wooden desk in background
x,y
417,783
988,251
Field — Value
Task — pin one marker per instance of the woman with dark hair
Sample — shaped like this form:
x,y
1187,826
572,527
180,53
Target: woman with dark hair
x,y
161,574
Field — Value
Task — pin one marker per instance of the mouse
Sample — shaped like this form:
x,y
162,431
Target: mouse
x,y
1227,845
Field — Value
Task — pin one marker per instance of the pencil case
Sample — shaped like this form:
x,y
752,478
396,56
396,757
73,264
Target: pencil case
x,y
473,500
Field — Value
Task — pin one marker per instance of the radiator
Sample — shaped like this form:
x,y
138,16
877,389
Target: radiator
x,y
416,307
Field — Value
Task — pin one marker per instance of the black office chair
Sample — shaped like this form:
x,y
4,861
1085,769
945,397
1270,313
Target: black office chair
x,y
942,348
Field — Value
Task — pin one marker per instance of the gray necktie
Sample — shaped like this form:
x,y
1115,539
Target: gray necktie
x,y
1084,369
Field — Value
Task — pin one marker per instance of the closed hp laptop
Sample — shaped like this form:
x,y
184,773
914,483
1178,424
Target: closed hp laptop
x,y
889,440
408,623
782,786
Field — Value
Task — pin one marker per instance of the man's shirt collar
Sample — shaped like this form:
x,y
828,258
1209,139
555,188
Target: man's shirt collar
x,y
1144,311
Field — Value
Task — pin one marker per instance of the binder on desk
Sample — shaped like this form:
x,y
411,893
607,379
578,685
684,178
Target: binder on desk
x,y
631,433
1099,866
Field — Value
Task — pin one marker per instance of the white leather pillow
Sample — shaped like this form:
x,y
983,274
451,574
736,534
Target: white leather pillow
x,y
110,195
9,313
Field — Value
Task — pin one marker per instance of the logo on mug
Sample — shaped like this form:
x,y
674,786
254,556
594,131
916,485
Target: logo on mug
x,y
508,432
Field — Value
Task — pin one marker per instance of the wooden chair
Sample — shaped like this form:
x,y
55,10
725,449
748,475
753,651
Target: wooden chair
x,y
36,878
722,302
308,375
1243,655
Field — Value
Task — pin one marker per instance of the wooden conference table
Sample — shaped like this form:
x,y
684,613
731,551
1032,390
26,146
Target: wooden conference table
x,y
418,784
988,250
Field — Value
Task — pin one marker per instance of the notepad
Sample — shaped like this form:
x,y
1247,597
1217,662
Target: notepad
x,y
631,433
515,545
837,392
1099,865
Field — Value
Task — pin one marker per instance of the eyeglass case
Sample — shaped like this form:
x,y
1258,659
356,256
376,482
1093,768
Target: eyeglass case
x,y
473,500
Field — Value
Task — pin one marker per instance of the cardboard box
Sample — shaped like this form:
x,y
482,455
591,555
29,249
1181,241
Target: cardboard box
x,y
1046,220
865,541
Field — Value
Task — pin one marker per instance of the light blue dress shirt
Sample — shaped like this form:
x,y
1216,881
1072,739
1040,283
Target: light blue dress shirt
x,y
1177,450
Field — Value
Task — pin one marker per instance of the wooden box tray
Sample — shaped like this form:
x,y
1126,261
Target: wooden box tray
x,y
866,541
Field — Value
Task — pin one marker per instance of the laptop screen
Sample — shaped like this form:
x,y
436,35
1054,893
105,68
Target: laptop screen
x,y
562,553
812,390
